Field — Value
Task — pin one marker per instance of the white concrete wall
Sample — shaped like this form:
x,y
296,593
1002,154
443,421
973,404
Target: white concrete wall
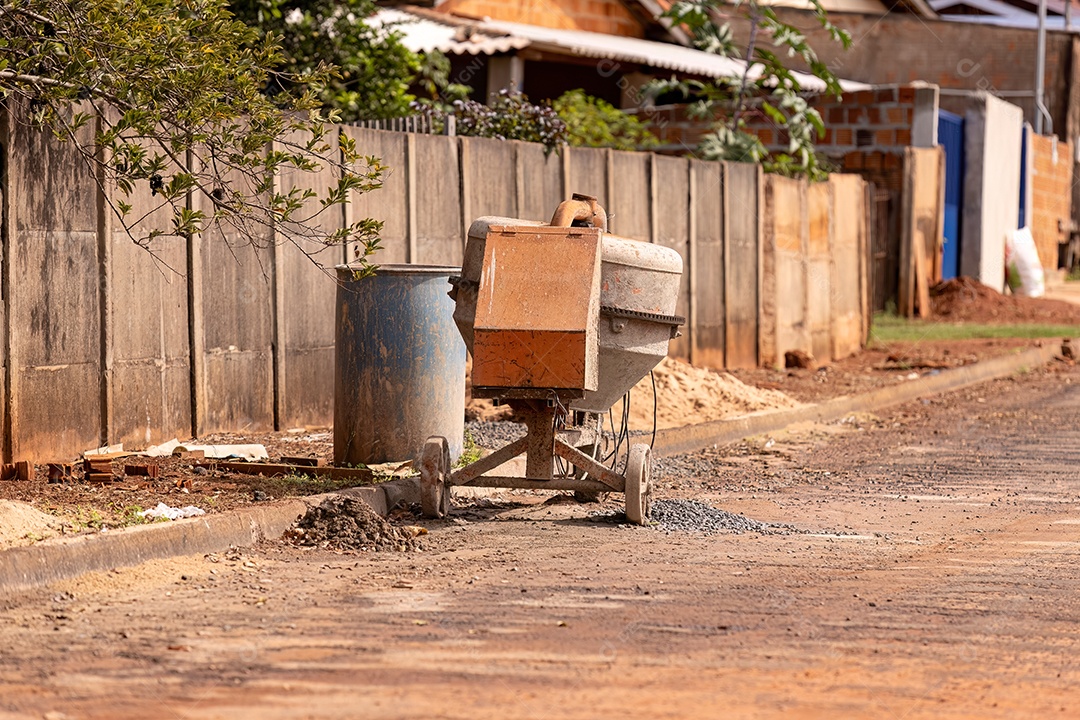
x,y
991,187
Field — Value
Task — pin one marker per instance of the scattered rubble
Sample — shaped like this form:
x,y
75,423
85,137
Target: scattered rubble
x,y
799,359
252,452
171,513
344,523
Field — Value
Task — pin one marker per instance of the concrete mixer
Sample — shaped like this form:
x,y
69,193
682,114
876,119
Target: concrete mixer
x,y
562,319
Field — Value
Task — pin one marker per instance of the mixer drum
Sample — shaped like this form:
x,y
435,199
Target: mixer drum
x,y
639,289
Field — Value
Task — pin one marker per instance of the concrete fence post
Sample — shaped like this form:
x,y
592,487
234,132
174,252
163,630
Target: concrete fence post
x,y
692,316
519,182
277,320
741,200
7,223
105,295
196,319
411,226
565,168
465,183
609,185
767,348
654,200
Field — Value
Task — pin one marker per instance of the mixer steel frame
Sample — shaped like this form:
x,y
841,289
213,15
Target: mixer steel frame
x,y
541,445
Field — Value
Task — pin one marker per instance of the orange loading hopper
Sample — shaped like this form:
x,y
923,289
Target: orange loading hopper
x,y
537,311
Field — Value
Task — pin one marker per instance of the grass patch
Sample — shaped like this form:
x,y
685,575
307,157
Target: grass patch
x,y
890,328
113,515
88,518
298,484
470,451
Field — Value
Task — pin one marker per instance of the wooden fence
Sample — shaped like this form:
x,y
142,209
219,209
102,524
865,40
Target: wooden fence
x,y
104,343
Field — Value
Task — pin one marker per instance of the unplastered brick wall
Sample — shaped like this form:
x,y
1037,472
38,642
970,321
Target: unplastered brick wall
x,y
881,166
678,130
883,119
1051,195
610,17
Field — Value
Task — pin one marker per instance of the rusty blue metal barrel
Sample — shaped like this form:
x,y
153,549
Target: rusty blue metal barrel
x,y
400,364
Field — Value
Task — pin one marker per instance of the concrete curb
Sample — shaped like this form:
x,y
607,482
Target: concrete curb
x,y
23,568
689,438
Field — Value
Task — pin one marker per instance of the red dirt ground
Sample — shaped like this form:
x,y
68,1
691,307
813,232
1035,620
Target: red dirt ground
x,y
86,507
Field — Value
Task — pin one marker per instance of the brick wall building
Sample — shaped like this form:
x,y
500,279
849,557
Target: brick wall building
x,y
870,126
866,133
611,17
901,48
880,121
1051,185
957,57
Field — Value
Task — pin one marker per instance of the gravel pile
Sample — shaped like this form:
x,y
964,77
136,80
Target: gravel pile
x,y
692,466
493,435
694,516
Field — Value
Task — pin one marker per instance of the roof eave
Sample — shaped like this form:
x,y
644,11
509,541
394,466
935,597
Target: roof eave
x,y
919,8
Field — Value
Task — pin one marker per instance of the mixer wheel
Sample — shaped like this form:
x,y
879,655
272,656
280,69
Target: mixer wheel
x,y
434,472
639,484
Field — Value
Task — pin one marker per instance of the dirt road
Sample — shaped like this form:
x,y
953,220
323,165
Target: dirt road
x,y
932,572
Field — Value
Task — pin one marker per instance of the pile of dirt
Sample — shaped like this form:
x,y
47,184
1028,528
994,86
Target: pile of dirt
x,y
344,523
21,524
687,394
965,299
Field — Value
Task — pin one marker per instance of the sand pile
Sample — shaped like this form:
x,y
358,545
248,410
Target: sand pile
x,y
479,409
21,524
965,299
687,394
346,523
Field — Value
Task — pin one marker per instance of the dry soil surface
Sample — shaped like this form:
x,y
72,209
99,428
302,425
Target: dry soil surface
x,y
920,564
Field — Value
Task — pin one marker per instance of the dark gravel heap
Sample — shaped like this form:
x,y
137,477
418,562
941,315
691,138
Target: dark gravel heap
x,y
493,435
346,523
692,466
694,516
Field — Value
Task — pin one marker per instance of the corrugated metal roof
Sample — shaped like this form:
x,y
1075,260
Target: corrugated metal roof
x,y
424,35
423,32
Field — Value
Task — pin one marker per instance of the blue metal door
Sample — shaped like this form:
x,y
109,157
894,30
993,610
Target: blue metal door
x,y
1023,177
951,137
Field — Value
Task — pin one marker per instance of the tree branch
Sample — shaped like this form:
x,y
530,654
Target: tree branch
x,y
5,9
36,80
740,101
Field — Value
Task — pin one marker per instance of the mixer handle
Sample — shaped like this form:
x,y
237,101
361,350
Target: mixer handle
x,y
583,208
